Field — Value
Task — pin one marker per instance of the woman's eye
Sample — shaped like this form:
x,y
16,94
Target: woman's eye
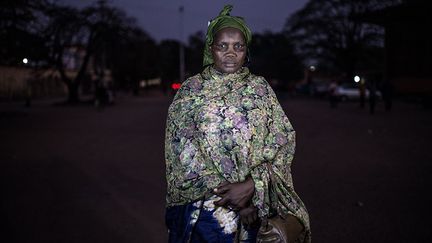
x,y
221,47
239,46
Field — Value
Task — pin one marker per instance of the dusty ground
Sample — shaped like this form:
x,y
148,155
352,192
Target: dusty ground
x,y
75,174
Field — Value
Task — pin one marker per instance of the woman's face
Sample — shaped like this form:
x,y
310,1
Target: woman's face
x,y
228,50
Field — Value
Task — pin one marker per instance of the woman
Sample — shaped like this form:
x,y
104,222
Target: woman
x,y
223,127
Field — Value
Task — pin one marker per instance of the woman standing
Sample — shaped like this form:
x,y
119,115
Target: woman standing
x,y
225,129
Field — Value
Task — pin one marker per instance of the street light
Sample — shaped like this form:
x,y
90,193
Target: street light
x,y
25,60
356,79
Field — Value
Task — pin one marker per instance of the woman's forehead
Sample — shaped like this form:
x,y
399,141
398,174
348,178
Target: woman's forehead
x,y
229,33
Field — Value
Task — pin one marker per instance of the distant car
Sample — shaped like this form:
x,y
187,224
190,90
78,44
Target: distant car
x,y
351,91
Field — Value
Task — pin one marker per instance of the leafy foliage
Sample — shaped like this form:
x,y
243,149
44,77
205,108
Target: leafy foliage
x,y
19,31
272,56
331,33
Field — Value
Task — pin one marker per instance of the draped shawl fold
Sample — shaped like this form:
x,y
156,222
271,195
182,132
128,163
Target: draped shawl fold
x,y
226,127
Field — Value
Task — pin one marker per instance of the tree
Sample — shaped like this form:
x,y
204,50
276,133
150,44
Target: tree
x,y
64,30
169,62
329,32
194,53
88,32
272,55
76,42
19,31
134,57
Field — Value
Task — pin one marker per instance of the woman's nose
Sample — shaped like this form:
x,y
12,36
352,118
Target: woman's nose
x,y
231,51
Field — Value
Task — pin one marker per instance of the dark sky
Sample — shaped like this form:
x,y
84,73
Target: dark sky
x,y
161,18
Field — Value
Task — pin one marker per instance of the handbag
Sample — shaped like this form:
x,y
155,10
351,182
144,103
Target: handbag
x,y
278,228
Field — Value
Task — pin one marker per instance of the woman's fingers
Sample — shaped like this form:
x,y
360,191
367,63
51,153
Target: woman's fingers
x,y
236,195
221,202
222,189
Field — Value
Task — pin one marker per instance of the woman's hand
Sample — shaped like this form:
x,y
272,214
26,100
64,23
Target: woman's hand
x,y
235,195
248,215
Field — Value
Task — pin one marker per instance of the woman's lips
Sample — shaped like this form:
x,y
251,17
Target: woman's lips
x,y
230,64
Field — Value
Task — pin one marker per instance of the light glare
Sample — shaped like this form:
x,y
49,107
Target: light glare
x,y
356,79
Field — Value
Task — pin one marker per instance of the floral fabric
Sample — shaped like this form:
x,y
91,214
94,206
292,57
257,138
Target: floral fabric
x,y
226,127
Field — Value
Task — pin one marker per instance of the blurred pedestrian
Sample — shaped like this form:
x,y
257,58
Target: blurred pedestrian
x,y
372,95
333,94
110,92
362,91
101,95
28,92
226,136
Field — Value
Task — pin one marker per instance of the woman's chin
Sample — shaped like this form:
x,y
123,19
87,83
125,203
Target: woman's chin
x,y
230,68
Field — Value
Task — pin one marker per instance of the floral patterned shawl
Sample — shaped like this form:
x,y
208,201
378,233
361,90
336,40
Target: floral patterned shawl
x,y
226,127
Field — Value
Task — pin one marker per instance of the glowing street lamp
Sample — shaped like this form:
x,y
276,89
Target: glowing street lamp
x,y
25,60
356,79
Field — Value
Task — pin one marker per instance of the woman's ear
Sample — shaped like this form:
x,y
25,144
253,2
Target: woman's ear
x,y
247,59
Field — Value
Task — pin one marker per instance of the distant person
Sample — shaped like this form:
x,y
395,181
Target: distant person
x,y
110,92
372,95
362,92
226,134
28,92
333,94
101,94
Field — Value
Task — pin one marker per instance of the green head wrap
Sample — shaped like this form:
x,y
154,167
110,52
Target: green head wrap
x,y
224,20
